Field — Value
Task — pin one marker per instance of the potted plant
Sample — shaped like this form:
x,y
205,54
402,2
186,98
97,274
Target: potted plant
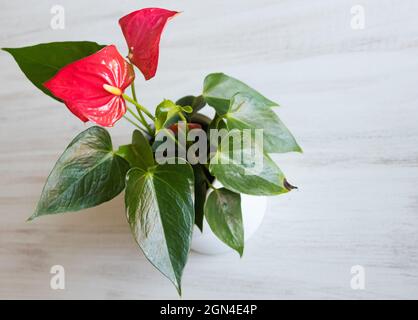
x,y
174,171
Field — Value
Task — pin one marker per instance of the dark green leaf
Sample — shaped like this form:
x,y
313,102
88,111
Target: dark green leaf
x,y
87,174
197,103
223,214
159,209
246,112
218,90
250,172
200,191
138,153
201,119
41,62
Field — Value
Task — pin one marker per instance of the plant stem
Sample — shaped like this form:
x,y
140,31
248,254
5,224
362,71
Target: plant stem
x,y
150,132
149,129
209,183
135,124
143,109
182,117
218,119
133,113
144,122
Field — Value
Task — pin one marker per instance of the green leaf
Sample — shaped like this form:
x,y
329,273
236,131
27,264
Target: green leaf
x,y
138,153
202,119
246,112
187,109
197,103
41,62
166,114
87,174
223,214
218,90
200,191
250,172
159,209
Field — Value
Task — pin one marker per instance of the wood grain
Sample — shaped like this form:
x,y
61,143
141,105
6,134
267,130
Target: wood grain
x,y
349,96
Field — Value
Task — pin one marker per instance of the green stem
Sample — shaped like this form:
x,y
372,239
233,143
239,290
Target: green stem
x,y
219,119
133,91
144,122
143,109
182,117
150,132
135,124
209,183
133,113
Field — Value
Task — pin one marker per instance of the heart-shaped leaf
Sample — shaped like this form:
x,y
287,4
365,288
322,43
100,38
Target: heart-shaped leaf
x,y
87,174
138,153
223,214
41,62
246,168
159,207
218,90
247,112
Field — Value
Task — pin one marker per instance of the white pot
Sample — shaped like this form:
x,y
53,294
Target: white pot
x,y
253,209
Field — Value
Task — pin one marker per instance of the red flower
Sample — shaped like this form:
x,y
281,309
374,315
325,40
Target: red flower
x,y
142,30
92,87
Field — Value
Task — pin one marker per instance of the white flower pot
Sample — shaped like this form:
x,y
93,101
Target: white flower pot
x,y
253,209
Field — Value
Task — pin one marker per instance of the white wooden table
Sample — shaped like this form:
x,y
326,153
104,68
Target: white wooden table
x,y
349,96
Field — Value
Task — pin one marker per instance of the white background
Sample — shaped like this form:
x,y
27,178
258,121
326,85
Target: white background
x,y
349,96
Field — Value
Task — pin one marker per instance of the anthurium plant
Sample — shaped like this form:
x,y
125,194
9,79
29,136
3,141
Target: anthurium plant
x,y
168,168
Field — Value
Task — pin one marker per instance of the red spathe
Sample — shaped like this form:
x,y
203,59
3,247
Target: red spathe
x,y
80,86
142,30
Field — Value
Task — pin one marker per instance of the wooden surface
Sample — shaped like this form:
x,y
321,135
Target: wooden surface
x,y
349,96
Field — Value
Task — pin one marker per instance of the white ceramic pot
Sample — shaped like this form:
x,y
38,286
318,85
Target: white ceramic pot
x,y
253,209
